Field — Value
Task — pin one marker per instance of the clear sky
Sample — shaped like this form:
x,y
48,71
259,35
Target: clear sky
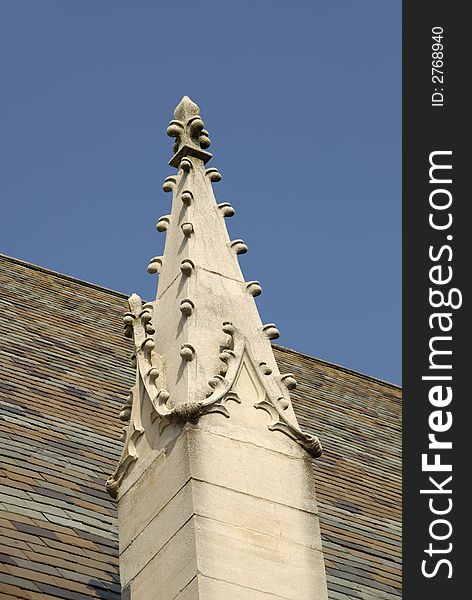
x,y
302,100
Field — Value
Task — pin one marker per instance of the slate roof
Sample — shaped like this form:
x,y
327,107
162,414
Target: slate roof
x,y
64,373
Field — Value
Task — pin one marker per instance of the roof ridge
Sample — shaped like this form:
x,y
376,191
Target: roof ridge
x,y
30,265
338,367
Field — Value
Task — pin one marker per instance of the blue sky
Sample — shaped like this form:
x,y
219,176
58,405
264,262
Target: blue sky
x,y
302,100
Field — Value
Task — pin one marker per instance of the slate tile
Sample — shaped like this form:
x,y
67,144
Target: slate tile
x,y
7,559
34,530
58,592
13,591
18,582
7,491
42,491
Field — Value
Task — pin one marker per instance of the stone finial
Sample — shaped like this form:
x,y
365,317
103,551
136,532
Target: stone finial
x,y
210,434
188,129
201,340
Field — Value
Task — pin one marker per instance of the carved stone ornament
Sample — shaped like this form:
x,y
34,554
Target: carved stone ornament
x,y
188,129
150,379
193,342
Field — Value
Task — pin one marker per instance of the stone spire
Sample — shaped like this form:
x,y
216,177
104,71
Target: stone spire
x,y
204,360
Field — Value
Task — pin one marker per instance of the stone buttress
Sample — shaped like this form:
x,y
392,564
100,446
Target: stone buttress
x,y
215,484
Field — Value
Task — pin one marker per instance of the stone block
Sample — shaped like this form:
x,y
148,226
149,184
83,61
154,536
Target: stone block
x,y
170,571
252,469
191,591
256,514
156,534
245,514
259,562
161,481
215,589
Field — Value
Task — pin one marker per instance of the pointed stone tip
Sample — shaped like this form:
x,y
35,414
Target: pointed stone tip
x,y
186,108
191,137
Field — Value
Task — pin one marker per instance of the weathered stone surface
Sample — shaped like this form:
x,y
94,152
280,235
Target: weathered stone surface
x,y
252,470
170,570
156,534
256,514
191,590
257,561
158,484
252,511
215,589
